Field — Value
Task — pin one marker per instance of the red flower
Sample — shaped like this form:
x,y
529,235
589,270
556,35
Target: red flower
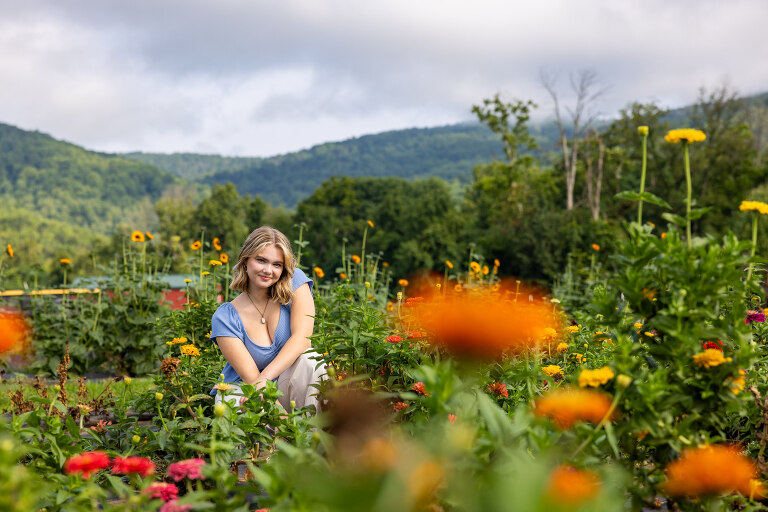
x,y
162,491
713,345
499,389
189,468
419,388
413,334
173,506
394,338
452,418
139,465
86,463
400,406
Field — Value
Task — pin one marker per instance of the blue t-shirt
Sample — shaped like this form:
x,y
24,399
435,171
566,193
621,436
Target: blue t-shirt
x,y
226,321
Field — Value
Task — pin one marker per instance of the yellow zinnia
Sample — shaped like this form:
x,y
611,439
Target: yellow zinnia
x,y
475,266
9,250
572,328
370,223
137,236
685,135
214,263
552,370
710,357
595,247
449,264
216,244
757,206
594,378
65,261
189,350
150,236
223,257
562,347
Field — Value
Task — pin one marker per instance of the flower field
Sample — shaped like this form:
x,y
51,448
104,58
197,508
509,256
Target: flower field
x,y
635,383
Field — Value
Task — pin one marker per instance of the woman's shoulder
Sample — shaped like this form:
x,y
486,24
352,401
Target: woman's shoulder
x,y
225,312
299,278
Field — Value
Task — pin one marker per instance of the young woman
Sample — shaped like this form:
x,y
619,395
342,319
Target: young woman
x,y
264,332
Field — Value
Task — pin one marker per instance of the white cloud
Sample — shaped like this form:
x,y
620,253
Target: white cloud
x,y
259,77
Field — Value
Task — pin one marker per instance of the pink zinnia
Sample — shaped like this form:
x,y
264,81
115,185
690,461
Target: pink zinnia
x,y
139,465
499,389
419,388
86,463
189,468
754,316
174,506
394,338
400,406
162,491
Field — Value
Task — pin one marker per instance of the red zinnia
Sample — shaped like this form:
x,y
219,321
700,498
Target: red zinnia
x,y
413,334
499,389
189,468
419,388
394,338
174,506
86,463
128,465
713,345
400,406
162,491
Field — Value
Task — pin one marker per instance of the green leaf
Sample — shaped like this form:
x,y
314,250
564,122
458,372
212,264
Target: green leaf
x,y
698,212
645,196
674,219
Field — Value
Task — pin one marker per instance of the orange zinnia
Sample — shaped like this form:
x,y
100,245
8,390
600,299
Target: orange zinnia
x,y
195,245
13,330
9,250
356,258
482,324
712,469
567,406
223,257
569,485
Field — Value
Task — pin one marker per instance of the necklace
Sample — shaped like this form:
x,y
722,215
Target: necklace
x,y
263,320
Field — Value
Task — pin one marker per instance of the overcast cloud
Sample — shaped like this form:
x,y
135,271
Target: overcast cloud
x,y
258,78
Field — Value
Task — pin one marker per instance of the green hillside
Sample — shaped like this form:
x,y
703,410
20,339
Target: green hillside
x,y
193,166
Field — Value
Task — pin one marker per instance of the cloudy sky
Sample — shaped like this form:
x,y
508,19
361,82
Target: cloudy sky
x,y
263,77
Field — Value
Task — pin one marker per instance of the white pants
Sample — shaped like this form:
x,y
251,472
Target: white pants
x,y
295,383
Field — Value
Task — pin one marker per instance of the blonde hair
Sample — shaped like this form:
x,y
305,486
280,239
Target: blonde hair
x,y
256,242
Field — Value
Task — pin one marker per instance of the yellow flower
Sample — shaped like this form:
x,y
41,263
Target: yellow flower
x,y
757,206
390,306
562,347
195,245
223,257
150,236
549,333
567,406
594,378
638,325
65,261
205,273
595,247
356,258
623,380
178,341
216,244
137,236
496,263
189,350
222,386
449,264
572,328
214,263
370,223
485,270
642,130
403,282
385,264
552,370
737,383
475,266
579,357
9,250
319,272
649,334
187,281
158,396
685,135
710,357
457,288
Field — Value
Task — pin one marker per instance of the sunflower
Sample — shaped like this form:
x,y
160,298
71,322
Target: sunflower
x,y
137,236
223,257
195,245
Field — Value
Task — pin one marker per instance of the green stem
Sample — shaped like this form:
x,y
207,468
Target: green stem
x,y
754,245
690,194
642,179
362,255
602,423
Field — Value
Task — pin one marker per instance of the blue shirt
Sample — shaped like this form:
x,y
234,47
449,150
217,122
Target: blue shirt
x,y
226,322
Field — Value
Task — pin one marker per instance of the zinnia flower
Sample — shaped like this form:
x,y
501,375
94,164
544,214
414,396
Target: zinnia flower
x,y
343,275
400,406
711,357
370,223
9,250
475,266
394,338
190,468
413,334
319,272
685,135
14,330
754,316
403,282
738,382
419,388
128,465
553,370
150,236
223,257
713,345
355,258
711,470
595,247
65,261
757,206
567,406
86,463
137,236
572,328
175,506
562,347
449,264
499,389
216,244
195,245
594,378
162,491
179,341
214,263
189,350
572,486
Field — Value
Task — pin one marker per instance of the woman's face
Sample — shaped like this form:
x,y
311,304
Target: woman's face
x,y
266,267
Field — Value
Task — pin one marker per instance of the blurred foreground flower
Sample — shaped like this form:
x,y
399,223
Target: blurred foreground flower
x,y
14,330
133,465
86,464
712,469
710,357
567,406
571,486
485,324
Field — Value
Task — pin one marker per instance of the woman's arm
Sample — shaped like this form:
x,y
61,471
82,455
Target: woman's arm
x,y
302,323
239,358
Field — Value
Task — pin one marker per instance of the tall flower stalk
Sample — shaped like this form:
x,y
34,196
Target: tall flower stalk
x,y
686,136
759,208
642,130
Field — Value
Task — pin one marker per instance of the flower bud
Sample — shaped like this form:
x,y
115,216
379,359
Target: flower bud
x,y
57,388
158,396
331,371
219,410
367,284
136,439
128,381
399,295
293,404
642,130
623,380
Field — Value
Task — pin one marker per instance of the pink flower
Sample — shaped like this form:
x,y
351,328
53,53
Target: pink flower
x,y
754,316
400,406
452,418
139,465
499,389
189,468
173,506
419,388
394,338
162,491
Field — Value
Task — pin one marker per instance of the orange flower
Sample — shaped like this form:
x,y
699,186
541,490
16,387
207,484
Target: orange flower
x,y
9,250
65,261
370,223
481,324
475,266
499,388
137,236
569,485
216,244
195,245
14,330
595,247
319,272
343,275
86,463
385,264
403,282
567,406
356,258
150,236
711,469
449,264
223,257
